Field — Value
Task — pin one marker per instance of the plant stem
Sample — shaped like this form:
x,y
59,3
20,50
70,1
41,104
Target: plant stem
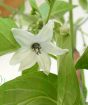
x,y
72,39
51,6
67,78
48,15
71,24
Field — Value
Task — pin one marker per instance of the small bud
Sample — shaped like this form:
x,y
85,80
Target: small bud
x,y
64,29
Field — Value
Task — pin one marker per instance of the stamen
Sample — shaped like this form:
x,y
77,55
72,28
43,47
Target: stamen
x,y
36,47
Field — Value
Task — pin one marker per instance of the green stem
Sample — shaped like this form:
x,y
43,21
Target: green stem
x,y
67,78
49,14
51,6
72,41
71,24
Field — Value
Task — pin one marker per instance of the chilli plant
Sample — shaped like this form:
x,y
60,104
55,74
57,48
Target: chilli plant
x,y
35,37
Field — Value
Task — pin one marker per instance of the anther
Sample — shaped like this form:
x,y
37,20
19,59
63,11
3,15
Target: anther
x,y
36,47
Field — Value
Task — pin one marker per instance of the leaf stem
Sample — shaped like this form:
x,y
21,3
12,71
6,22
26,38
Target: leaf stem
x,y
82,34
83,22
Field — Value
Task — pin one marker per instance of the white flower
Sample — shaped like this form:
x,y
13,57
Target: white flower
x,y
35,48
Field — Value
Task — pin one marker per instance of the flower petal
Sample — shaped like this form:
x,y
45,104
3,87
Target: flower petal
x,y
28,62
46,33
19,56
50,48
44,62
23,37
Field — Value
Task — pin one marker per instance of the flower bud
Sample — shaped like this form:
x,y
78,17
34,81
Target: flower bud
x,y
64,29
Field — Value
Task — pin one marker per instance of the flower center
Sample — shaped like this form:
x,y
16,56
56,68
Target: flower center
x,y
36,47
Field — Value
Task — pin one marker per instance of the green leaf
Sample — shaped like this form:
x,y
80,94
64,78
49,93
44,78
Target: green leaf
x,y
84,4
7,41
32,88
83,61
68,86
58,8
44,10
33,4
